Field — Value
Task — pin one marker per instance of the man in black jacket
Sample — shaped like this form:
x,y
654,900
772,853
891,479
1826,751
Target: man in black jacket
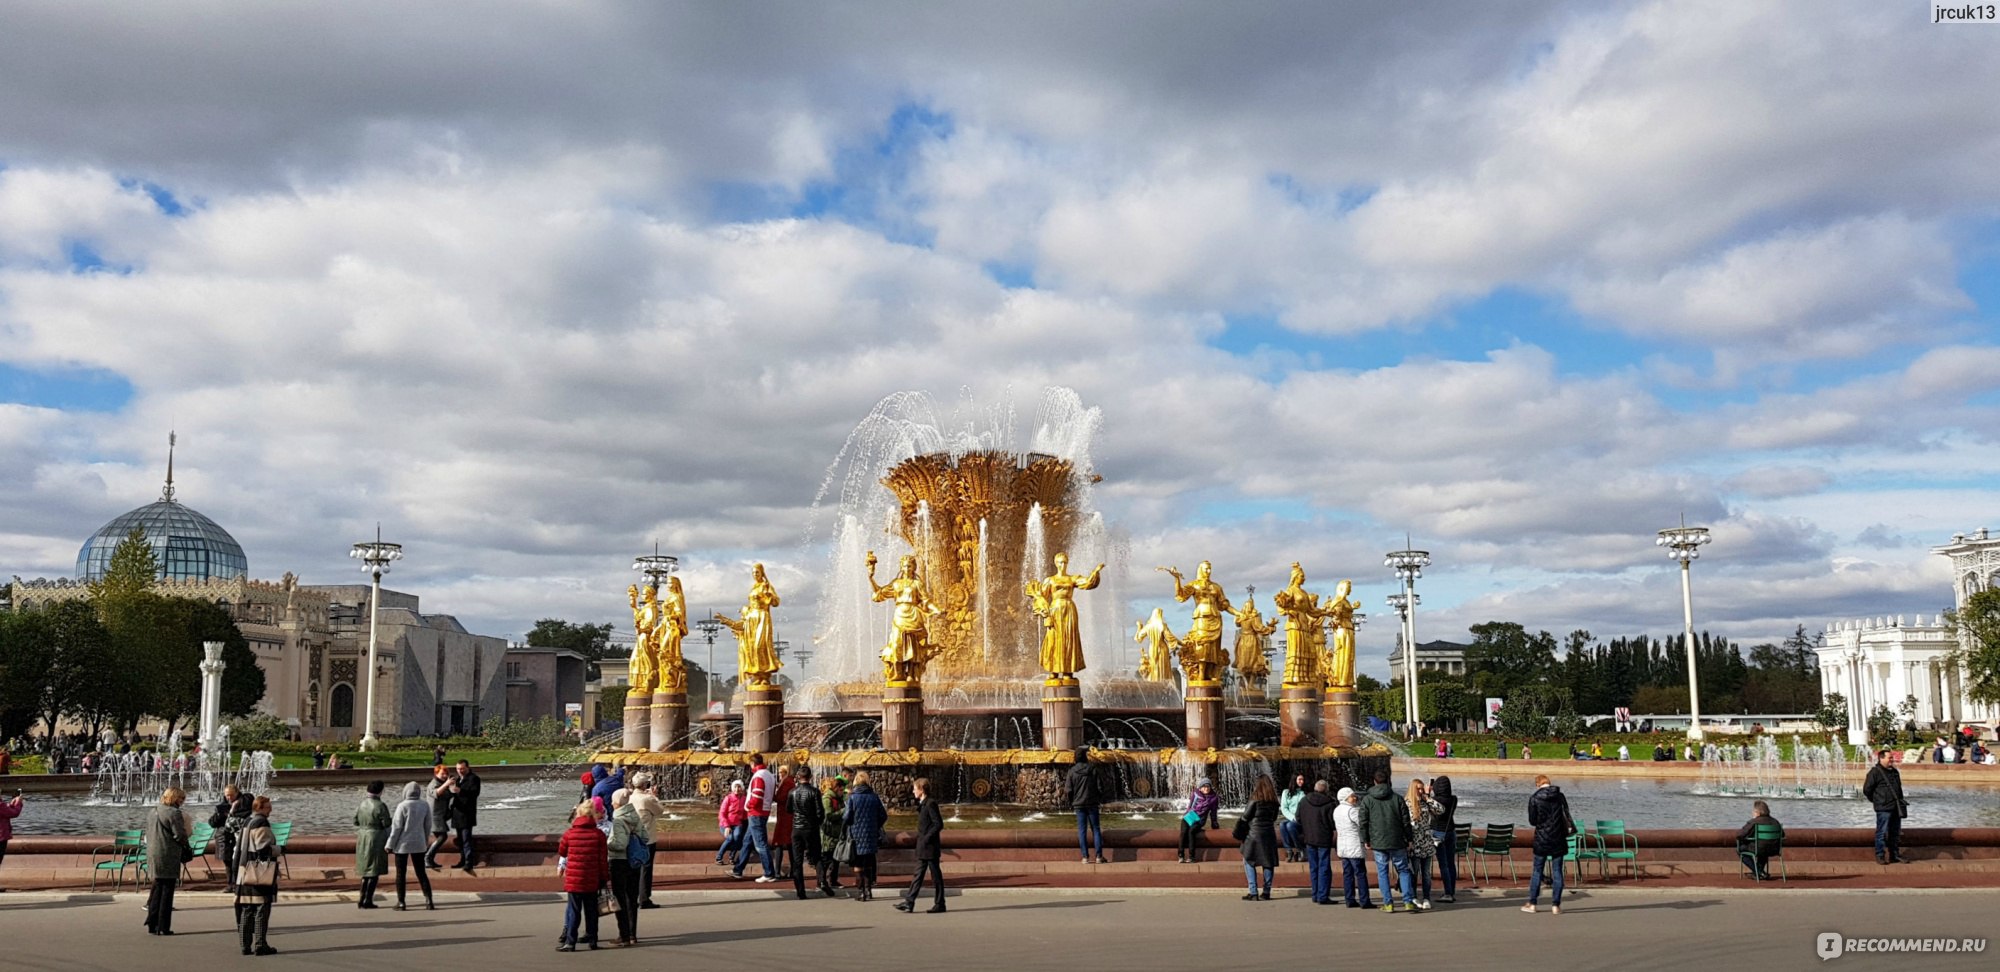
x,y
1086,799
465,812
807,816
1756,854
930,848
1317,833
1884,789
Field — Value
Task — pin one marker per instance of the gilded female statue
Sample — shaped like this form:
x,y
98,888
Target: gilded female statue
x,y
1251,629
669,666
756,634
1156,659
910,646
1340,656
1055,601
645,624
1302,619
1201,651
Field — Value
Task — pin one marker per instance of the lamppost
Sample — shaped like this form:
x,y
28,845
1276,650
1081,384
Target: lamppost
x,y
1402,602
375,557
708,627
1684,544
1409,564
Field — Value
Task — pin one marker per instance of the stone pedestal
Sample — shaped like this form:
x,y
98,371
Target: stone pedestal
x,y
902,717
763,720
1204,716
1340,719
1062,715
638,719
1298,716
669,721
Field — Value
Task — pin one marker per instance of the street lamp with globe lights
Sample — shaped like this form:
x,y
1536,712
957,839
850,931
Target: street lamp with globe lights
x,y
1684,543
1409,564
375,557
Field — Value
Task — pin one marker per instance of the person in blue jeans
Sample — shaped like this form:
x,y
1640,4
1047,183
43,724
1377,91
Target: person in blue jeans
x,y
1288,825
1548,813
1349,847
1087,799
1444,828
1385,825
1317,832
1884,789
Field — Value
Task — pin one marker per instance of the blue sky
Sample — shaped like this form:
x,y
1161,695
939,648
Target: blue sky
x,y
1524,284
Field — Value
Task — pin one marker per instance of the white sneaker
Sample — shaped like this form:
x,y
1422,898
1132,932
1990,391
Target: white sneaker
x,y
1424,905
1530,909
767,880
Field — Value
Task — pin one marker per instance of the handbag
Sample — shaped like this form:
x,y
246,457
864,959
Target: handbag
x,y
257,874
843,850
1242,831
1191,818
607,903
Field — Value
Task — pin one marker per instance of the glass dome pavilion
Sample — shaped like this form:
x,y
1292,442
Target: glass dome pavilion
x,y
187,545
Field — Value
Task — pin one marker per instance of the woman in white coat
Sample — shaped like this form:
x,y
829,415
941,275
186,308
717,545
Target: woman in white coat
x,y
409,837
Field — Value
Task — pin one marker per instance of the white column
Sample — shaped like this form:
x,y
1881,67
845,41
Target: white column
x,y
211,692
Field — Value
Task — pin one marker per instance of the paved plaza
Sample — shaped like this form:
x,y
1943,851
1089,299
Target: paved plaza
x,y
1625,929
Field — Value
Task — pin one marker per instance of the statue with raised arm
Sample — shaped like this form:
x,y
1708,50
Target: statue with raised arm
x,y
1339,660
669,665
645,624
756,633
1054,598
1251,629
1202,656
1156,659
910,646
1302,638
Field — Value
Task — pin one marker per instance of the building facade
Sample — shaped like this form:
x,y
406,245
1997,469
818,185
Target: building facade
x,y
432,676
1884,661
1443,657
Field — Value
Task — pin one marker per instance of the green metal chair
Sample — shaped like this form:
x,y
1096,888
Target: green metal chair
x,y
1498,841
1774,836
1576,854
1627,849
1462,846
127,849
281,834
204,835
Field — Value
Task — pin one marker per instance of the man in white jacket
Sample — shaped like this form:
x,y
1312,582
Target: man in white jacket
x,y
1349,846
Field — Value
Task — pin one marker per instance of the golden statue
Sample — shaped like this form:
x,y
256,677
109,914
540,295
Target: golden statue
x,y
645,623
1201,651
910,646
1340,657
756,634
669,665
1055,602
1251,629
1302,638
1156,660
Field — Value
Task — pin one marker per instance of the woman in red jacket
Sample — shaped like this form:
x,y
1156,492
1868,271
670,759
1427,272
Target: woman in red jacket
x,y
585,869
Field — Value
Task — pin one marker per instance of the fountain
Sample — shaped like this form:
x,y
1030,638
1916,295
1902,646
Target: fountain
x,y
138,778
983,509
1757,769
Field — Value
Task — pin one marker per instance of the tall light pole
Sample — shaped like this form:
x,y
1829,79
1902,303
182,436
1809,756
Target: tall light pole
x,y
1684,544
1409,564
1402,602
708,627
375,557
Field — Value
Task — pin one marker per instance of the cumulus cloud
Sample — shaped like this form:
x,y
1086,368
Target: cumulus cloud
x,y
449,280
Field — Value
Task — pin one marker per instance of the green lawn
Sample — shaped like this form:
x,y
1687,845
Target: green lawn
x,y
415,757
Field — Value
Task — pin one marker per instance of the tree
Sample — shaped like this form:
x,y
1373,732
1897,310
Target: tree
x,y
75,649
182,625
1362,683
130,611
1977,657
1509,656
1661,700
1832,712
589,640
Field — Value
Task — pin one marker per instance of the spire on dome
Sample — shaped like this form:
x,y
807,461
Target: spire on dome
x,y
167,495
